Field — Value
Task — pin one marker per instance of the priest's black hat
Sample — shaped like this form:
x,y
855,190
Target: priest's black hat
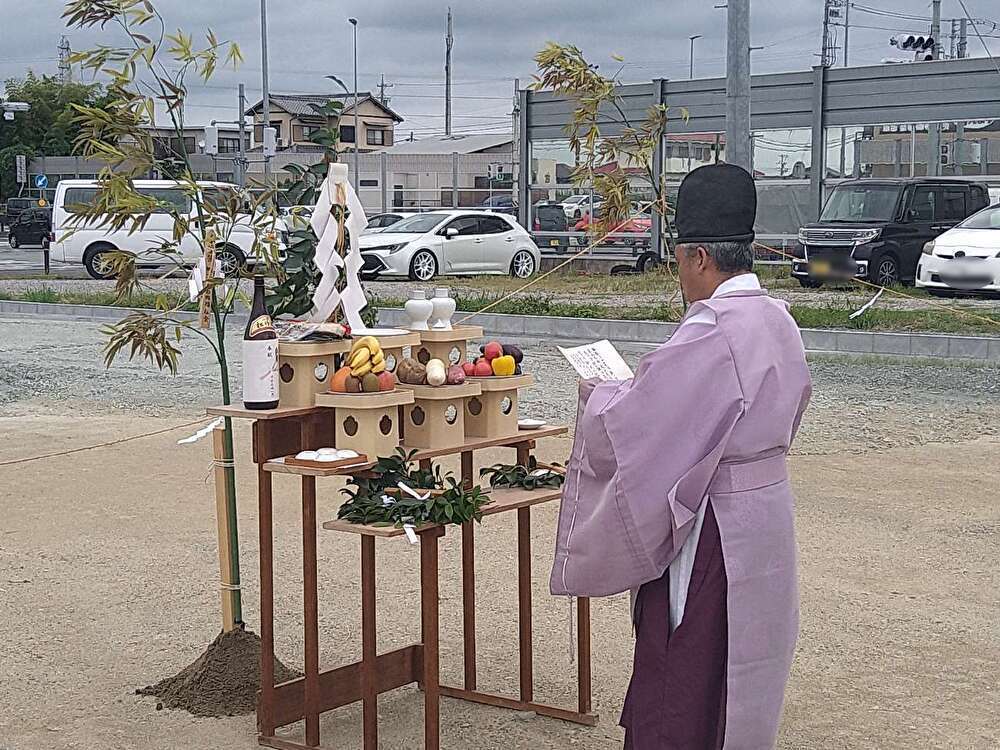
x,y
716,203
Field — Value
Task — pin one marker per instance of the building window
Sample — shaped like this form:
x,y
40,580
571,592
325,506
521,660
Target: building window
x,y
369,183
229,145
347,134
376,137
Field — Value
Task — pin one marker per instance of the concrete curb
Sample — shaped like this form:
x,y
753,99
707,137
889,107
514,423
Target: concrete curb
x,y
942,346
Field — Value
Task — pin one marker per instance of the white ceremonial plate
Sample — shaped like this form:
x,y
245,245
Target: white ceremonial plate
x,y
531,424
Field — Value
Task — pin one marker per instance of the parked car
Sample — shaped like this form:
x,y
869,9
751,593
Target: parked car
x,y
89,243
576,205
31,227
966,258
876,229
296,217
547,217
638,225
378,222
452,242
503,204
13,207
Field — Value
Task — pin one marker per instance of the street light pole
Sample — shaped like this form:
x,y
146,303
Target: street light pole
x,y
357,132
266,103
691,58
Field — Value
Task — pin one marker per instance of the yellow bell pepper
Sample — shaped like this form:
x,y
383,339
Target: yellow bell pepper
x,y
504,366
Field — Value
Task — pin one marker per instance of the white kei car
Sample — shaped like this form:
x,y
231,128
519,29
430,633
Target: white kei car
x,y
966,258
450,242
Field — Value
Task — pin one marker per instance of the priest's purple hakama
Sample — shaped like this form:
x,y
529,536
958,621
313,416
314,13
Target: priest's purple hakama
x,y
694,446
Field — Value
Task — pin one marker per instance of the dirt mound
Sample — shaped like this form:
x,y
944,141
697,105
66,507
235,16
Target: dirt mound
x,y
223,681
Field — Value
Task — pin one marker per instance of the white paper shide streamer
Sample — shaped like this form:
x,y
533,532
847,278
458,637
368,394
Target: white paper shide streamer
x,y
337,190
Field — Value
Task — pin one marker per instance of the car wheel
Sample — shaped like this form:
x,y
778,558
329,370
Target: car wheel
x,y
884,271
233,261
522,266
12,241
809,283
647,262
96,262
423,266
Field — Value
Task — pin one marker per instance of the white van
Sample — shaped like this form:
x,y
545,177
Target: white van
x,y
76,242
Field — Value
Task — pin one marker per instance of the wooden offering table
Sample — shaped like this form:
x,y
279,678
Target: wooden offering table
x,y
282,432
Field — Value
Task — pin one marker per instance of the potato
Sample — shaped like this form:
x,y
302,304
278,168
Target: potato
x,y
411,372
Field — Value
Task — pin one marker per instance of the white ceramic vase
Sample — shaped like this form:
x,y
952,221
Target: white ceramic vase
x,y
418,309
444,308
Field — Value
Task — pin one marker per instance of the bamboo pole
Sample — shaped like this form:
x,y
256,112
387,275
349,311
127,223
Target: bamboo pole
x,y
225,521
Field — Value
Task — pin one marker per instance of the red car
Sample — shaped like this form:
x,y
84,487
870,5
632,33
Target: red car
x,y
638,225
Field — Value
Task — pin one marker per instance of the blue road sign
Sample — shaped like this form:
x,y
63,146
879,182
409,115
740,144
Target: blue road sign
x,y
41,181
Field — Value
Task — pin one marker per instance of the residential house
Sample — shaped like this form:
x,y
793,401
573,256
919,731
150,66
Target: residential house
x,y
885,150
294,118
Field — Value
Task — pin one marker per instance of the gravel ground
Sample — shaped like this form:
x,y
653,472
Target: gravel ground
x,y
840,297
865,403
108,564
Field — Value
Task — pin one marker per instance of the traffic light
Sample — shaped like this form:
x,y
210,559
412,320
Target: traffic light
x,y
921,46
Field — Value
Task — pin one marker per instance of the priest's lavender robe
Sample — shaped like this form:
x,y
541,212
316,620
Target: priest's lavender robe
x,y
705,424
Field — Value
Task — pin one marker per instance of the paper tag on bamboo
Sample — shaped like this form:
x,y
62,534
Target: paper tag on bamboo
x,y
410,533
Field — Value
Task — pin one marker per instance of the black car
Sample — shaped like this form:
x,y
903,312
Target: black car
x,y
876,229
550,217
13,207
31,227
501,204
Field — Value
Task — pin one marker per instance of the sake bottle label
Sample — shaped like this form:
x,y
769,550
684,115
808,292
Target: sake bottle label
x,y
260,370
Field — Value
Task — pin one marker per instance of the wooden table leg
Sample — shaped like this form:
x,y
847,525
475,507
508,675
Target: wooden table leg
x,y
583,653
469,582
369,651
429,628
469,603
265,709
311,610
524,601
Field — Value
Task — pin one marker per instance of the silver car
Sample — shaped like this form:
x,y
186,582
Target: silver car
x,y
450,242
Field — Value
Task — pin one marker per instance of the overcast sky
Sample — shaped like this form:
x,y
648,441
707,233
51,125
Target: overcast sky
x,y
494,43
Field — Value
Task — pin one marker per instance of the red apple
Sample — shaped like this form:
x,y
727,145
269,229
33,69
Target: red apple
x,y
386,381
483,369
493,350
469,368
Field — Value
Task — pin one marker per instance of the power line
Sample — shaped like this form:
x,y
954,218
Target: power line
x,y
975,28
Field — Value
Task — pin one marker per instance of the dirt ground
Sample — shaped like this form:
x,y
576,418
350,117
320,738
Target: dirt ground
x,y
108,574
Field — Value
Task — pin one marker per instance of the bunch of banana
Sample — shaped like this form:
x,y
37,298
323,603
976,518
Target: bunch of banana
x,y
366,357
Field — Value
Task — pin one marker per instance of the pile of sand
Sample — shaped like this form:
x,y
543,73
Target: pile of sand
x,y
223,681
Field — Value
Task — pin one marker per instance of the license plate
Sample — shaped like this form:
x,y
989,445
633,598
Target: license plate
x,y
554,243
820,267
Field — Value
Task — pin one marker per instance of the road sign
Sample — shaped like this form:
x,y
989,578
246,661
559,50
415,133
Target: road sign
x,y
42,202
41,181
22,168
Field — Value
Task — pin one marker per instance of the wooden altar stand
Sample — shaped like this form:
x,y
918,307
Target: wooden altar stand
x,y
284,432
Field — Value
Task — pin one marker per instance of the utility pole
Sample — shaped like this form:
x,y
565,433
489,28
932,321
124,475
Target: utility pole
x,y
738,83
847,27
265,105
65,71
515,151
824,53
357,128
382,86
242,181
449,40
934,129
960,50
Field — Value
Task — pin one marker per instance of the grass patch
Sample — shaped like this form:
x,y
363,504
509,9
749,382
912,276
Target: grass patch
x,y
142,299
967,322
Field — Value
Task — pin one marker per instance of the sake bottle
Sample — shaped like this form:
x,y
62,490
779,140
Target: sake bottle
x,y
260,355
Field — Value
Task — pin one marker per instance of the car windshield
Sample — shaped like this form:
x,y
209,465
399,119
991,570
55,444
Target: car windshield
x,y
987,219
415,224
850,203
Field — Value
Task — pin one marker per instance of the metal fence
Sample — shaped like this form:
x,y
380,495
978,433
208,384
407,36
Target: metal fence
x,y
810,131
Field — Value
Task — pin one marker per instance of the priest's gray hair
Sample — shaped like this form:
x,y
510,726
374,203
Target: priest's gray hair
x,y
729,257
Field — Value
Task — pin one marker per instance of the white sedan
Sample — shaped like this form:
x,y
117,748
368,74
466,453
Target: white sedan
x,y
965,258
451,242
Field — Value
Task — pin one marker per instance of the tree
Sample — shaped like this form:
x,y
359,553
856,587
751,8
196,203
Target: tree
x,y
48,127
606,141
